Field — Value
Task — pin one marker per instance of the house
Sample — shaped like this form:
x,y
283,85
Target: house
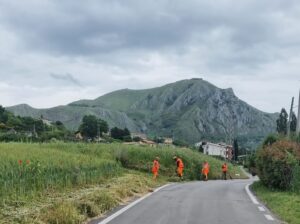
x,y
46,122
168,141
213,149
12,131
99,139
78,135
139,135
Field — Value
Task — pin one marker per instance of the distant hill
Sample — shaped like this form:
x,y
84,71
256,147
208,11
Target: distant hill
x,y
189,110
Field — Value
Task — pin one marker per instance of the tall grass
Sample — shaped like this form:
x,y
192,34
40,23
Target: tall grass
x,y
27,170
140,158
32,170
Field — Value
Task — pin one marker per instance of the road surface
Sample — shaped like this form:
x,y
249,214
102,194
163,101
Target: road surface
x,y
212,202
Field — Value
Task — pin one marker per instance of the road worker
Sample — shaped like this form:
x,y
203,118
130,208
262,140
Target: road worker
x,y
155,167
205,170
224,171
180,167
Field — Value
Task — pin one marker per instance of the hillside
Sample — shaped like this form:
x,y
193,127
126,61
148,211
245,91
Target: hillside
x,y
189,110
71,116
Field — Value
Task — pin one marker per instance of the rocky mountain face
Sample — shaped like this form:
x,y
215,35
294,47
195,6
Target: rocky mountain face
x,y
189,110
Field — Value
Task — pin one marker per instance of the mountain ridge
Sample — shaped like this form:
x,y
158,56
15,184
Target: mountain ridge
x,y
191,110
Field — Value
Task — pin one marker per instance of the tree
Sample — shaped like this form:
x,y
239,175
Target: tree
x,y
91,126
293,122
2,109
235,149
59,125
282,122
126,132
104,128
3,115
122,134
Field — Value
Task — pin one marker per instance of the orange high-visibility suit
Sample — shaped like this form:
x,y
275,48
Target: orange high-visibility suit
x,y
205,170
224,167
180,167
224,171
155,168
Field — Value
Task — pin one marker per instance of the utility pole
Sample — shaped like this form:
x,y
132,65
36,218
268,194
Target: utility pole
x,y
298,118
290,118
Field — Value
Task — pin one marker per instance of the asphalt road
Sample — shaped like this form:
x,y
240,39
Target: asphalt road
x,y
212,202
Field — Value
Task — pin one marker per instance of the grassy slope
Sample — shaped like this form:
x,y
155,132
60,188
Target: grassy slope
x,y
71,178
285,204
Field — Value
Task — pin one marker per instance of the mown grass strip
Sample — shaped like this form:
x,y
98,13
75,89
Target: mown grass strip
x,y
82,204
285,204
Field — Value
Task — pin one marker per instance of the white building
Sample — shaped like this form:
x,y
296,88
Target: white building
x,y
214,149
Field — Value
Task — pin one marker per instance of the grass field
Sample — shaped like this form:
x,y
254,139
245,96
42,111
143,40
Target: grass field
x,y
285,204
39,177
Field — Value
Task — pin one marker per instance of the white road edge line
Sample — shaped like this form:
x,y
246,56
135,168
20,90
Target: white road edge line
x,y
252,197
262,209
269,217
109,218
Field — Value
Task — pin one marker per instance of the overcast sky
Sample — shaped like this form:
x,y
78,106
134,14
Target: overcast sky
x,y
55,52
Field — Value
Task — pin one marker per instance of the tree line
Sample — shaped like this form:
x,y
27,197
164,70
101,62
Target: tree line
x,y
92,127
282,122
17,128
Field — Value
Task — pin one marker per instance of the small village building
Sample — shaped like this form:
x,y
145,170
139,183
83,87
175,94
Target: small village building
x,y
223,150
168,141
78,135
141,136
12,131
46,122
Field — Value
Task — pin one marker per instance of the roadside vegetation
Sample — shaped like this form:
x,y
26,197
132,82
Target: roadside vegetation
x,y
277,163
71,182
285,204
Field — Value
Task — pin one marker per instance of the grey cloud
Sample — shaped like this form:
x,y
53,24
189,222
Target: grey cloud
x,y
108,27
67,78
157,41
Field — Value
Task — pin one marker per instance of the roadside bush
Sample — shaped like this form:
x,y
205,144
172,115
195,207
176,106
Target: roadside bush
x,y
271,139
276,164
295,184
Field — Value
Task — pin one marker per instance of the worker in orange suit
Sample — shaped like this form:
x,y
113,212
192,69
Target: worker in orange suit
x,y
155,168
180,167
224,171
205,170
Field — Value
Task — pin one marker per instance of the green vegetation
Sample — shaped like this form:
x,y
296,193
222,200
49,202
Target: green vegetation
x,y
284,203
68,182
276,164
27,129
282,122
121,134
91,126
26,170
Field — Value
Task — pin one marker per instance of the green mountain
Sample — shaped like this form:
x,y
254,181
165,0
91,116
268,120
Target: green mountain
x,y
190,110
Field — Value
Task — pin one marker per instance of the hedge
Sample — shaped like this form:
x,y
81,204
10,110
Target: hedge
x,y
278,165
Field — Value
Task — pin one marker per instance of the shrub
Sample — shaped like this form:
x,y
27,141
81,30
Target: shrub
x,y
136,139
276,164
295,184
127,138
271,139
